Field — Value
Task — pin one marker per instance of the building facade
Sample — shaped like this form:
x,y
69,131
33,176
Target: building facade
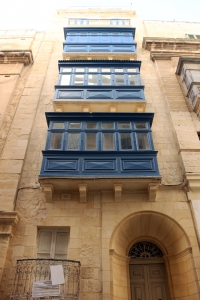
x,y
100,152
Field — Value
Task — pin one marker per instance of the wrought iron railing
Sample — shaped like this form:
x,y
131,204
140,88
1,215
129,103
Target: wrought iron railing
x,y
120,22
30,271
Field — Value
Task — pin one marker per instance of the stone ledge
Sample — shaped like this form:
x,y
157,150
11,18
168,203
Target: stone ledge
x,y
16,56
8,217
165,48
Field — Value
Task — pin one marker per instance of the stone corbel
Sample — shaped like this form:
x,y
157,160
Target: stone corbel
x,y
48,192
152,190
193,186
83,192
117,192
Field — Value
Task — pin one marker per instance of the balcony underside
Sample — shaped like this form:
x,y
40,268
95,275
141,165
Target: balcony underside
x,y
100,105
69,172
100,55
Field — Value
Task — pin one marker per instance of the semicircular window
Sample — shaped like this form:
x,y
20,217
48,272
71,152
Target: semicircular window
x,y
145,250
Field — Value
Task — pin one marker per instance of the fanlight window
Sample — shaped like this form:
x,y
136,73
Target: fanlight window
x,y
145,250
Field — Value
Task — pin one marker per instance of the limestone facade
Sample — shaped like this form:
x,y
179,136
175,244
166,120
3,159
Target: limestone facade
x,y
103,228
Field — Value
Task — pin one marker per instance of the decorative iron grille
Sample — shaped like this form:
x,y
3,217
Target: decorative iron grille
x,y
145,250
28,271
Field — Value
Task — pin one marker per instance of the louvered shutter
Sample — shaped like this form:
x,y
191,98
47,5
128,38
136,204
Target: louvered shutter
x,y
44,243
61,244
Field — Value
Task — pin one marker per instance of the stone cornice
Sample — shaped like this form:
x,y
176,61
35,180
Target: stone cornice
x,y
8,217
16,56
165,48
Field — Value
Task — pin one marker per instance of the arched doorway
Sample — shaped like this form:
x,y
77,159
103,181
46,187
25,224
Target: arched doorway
x,y
147,272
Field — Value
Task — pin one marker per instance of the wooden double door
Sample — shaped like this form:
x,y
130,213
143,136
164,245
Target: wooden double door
x,y
148,282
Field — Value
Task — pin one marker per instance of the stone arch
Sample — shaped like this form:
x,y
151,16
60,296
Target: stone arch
x,y
164,232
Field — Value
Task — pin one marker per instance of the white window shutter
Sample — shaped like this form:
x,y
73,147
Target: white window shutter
x,y
44,244
61,244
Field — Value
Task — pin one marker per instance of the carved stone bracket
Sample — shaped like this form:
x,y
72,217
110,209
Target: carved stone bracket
x,y
117,192
48,190
152,191
7,220
83,192
16,56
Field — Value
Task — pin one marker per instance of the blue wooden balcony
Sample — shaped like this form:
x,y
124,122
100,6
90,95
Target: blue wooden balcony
x,y
101,42
112,148
99,85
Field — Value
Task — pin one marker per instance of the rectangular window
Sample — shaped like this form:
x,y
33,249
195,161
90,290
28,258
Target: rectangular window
x,y
73,141
143,142
124,125
107,125
58,125
91,141
125,141
106,80
79,79
108,141
91,125
133,80
74,125
140,125
56,141
52,243
119,79
92,79
65,79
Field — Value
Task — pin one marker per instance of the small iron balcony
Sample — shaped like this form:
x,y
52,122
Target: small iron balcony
x,y
31,271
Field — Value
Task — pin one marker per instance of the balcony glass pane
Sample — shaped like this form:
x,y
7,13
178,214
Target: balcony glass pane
x,y
106,80
91,141
127,38
92,79
73,141
78,79
91,125
116,38
94,37
143,142
125,140
133,79
56,141
131,70
105,38
119,79
105,70
195,75
92,70
119,70
65,79
71,38
66,69
124,125
58,125
74,125
80,70
108,141
140,125
107,125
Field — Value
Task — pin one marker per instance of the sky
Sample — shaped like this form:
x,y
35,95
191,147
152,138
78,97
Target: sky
x,y
36,14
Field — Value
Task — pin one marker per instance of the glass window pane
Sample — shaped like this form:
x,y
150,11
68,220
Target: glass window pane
x,y
73,141
124,125
91,125
66,69
107,125
140,125
78,79
91,143
74,125
108,141
125,139
65,79
92,79
119,70
195,75
119,79
56,141
94,37
80,70
133,79
58,125
92,70
132,70
71,39
106,80
143,142
105,70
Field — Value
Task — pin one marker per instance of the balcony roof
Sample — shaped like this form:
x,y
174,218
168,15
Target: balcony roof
x,y
184,60
105,116
94,62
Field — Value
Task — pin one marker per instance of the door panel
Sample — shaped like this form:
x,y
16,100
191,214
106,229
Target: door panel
x,y
148,282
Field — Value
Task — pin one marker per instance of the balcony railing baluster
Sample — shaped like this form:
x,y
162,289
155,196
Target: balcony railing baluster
x,y
30,270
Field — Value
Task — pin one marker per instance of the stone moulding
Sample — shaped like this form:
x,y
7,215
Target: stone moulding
x,y
165,48
16,56
179,254
7,220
